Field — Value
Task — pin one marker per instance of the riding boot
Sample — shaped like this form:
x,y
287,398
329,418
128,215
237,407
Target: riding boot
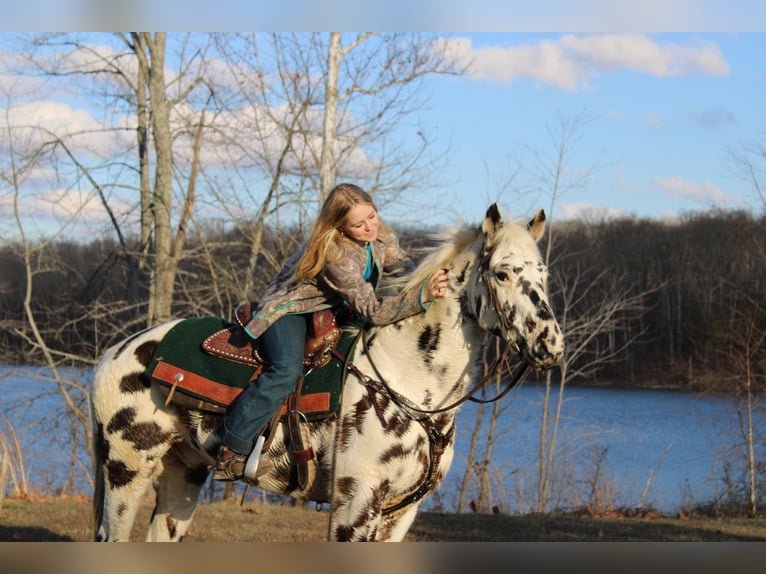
x,y
230,465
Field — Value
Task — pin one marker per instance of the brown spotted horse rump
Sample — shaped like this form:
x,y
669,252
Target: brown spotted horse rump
x,y
392,441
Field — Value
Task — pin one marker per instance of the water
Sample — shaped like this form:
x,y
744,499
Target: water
x,y
654,448
35,411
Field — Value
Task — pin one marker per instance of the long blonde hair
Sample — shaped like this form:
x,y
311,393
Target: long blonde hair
x,y
326,234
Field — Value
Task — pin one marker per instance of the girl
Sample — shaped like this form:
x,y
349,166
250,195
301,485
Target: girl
x,y
348,251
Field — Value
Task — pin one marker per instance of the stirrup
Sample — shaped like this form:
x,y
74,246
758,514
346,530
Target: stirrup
x,y
251,467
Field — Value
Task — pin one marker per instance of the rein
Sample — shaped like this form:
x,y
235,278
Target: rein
x,y
515,379
406,405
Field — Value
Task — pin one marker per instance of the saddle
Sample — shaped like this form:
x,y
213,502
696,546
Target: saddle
x,y
234,344
322,335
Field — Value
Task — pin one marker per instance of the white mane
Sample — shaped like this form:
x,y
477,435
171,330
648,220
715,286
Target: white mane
x,y
447,245
452,241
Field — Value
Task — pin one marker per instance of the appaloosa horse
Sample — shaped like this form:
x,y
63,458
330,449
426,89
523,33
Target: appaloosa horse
x,y
392,441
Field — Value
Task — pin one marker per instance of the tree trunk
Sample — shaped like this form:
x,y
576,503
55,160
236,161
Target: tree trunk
x,y
470,458
151,54
749,436
327,165
142,134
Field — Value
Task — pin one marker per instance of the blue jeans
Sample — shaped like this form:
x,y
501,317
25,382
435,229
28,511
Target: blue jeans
x,y
282,346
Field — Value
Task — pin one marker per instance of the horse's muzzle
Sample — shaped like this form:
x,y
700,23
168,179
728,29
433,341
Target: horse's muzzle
x,y
543,355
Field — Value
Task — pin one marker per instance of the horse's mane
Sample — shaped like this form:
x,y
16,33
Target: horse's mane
x,y
450,242
447,244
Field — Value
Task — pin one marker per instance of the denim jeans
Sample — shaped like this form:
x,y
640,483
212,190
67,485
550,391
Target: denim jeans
x,y
282,346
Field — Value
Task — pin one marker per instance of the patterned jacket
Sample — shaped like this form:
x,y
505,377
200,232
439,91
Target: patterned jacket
x,y
341,281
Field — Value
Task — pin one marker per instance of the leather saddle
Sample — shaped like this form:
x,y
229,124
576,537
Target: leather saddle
x,y
322,335
233,343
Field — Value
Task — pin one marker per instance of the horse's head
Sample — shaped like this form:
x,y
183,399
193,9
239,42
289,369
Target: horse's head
x,y
510,289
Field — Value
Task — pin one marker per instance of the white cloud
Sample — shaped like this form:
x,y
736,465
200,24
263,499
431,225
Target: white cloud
x,y
36,123
65,205
585,211
702,193
571,60
652,120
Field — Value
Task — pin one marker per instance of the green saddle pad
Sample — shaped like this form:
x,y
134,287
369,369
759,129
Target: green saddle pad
x,y
197,379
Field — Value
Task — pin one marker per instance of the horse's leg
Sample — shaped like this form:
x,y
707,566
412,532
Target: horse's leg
x,y
124,472
118,493
394,526
355,515
177,489
365,523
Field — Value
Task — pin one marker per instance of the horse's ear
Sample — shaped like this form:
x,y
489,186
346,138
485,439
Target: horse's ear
x,y
493,220
536,225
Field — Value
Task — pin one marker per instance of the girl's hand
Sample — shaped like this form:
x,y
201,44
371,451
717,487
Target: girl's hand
x,y
437,286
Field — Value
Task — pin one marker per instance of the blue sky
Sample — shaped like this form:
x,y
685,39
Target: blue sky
x,y
665,101
664,111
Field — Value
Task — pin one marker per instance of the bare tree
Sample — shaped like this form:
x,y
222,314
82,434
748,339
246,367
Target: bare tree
x,y
741,344
581,316
479,465
589,307
749,163
383,72
25,148
586,306
136,78
149,50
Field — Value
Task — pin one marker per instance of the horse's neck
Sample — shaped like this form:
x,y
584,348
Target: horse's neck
x,y
429,358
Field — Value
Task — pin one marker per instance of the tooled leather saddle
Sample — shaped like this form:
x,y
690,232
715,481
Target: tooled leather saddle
x,y
234,344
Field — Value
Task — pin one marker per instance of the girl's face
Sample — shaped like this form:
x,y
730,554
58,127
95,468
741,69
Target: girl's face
x,y
361,223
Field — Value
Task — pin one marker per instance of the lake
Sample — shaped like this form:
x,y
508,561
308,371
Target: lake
x,y
655,448
623,448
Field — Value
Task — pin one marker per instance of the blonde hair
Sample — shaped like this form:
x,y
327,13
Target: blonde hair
x,y
326,234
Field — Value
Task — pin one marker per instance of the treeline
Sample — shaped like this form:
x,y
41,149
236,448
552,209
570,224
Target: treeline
x,y
700,281
702,284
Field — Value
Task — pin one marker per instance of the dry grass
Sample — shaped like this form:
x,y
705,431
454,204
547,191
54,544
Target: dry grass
x,y
55,519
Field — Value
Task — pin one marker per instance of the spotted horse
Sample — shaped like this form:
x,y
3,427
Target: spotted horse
x,y
393,439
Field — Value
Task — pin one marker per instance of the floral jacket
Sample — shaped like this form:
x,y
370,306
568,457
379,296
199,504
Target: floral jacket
x,y
341,282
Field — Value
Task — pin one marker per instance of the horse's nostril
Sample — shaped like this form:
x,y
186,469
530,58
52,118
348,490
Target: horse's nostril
x,y
550,357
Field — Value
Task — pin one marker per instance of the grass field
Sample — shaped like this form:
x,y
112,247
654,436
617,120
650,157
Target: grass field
x,y
58,520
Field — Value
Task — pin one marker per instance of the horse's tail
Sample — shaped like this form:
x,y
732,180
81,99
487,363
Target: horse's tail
x,y
99,459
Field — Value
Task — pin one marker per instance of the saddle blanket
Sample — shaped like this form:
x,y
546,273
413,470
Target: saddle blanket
x,y
191,377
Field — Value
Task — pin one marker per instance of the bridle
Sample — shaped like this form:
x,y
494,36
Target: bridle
x,y
486,255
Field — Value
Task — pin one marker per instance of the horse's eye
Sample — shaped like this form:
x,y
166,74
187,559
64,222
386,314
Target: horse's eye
x,y
502,276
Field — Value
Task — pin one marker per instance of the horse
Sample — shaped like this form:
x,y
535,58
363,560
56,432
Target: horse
x,y
392,441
